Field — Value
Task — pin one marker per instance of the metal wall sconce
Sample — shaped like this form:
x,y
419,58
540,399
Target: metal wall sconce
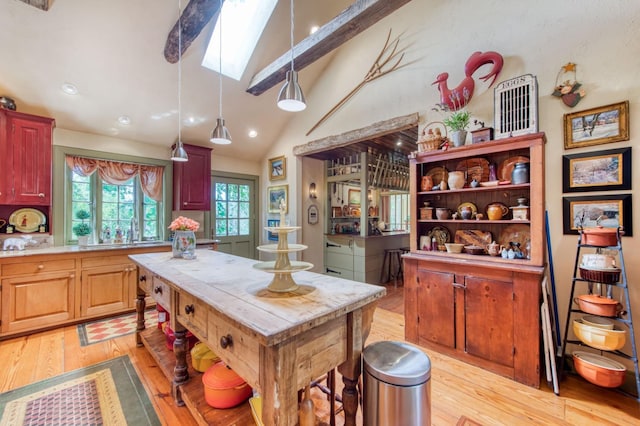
x,y
313,193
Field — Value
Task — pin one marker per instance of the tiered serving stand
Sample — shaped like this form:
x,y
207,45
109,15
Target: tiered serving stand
x,y
282,267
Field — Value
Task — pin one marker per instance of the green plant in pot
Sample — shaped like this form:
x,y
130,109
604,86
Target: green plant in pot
x,y
82,229
458,122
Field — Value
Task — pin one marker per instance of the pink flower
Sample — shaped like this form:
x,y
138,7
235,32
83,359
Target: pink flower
x,y
182,223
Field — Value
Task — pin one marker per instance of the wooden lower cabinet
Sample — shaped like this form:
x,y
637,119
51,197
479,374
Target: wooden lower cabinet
x,y
35,301
486,315
40,291
107,289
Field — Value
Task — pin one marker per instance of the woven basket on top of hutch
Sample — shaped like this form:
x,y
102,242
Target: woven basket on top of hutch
x,y
480,308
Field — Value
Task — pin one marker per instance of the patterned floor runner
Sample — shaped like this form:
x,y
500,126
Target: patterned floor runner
x,y
108,393
105,329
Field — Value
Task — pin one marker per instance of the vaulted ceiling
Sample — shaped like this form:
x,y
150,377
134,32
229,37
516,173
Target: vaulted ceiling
x,y
119,53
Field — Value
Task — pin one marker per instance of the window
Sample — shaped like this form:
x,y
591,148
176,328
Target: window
x,y
113,207
232,209
399,212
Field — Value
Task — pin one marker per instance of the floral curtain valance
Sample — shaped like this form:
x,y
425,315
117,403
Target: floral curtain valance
x,y
117,173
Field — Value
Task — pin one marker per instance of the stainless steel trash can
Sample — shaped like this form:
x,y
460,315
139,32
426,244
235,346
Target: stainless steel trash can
x,y
397,386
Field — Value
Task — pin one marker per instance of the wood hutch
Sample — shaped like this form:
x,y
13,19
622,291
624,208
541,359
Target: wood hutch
x,y
481,309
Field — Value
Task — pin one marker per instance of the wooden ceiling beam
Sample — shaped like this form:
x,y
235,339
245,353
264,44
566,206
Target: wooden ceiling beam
x,y
369,133
352,21
194,18
40,4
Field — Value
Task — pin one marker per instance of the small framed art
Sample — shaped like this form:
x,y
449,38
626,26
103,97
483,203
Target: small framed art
x,y
609,211
278,168
608,170
597,126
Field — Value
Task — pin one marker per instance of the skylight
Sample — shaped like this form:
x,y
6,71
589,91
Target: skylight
x,y
242,24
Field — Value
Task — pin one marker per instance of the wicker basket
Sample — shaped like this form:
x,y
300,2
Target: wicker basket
x,y
432,139
600,276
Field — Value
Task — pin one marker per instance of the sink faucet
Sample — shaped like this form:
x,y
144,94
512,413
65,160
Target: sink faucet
x,y
133,231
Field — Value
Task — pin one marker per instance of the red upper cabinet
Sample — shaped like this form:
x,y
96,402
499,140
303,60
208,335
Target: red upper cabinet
x,y
192,180
25,146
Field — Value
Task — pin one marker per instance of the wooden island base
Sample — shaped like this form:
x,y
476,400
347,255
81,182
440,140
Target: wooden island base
x,y
192,392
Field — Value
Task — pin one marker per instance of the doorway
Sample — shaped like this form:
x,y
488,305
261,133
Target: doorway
x,y
234,202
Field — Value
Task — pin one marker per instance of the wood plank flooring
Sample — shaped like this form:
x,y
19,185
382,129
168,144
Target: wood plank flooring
x,y
456,388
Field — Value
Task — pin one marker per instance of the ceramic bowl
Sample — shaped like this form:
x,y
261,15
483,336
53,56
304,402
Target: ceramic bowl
x,y
596,321
599,370
598,305
599,338
474,249
454,247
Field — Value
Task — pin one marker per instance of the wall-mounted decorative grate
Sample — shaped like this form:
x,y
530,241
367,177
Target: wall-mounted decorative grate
x,y
516,107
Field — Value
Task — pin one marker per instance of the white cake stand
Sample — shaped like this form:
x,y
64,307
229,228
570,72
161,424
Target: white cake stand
x,y
282,267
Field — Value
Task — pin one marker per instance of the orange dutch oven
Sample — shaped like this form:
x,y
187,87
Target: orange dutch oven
x,y
223,388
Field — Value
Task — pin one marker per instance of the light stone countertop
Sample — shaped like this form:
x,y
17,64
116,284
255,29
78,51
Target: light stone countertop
x,y
91,248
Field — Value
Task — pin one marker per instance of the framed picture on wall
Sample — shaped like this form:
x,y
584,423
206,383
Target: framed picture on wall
x,y
354,197
609,211
278,168
272,223
597,171
274,195
597,126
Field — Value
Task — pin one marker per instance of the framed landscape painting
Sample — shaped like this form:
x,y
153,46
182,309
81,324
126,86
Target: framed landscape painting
x,y
609,211
597,126
597,171
278,168
274,196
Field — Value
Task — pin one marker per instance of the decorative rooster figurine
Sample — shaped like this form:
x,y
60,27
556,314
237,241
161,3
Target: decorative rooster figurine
x,y
451,97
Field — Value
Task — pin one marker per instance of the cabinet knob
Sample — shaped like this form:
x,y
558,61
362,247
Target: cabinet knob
x,y
157,290
189,309
226,341
185,203
72,275
142,278
41,266
41,195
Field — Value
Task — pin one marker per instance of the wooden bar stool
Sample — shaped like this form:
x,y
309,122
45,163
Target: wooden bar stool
x,y
393,261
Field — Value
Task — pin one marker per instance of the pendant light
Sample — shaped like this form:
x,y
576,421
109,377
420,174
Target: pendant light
x,y
291,97
179,154
220,135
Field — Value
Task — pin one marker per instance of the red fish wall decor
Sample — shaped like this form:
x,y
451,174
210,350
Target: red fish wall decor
x,y
460,96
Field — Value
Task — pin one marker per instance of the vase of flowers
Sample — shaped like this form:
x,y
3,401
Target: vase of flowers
x,y
184,237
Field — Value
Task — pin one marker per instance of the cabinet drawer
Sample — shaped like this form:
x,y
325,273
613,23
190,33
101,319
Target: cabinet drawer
x,y
145,279
93,262
160,291
242,354
341,261
192,313
339,245
347,274
30,268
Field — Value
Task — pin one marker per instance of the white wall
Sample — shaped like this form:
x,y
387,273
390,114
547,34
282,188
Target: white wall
x,y
601,36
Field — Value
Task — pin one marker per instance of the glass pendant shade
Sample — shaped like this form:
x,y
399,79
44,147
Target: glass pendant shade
x,y
291,97
179,153
220,135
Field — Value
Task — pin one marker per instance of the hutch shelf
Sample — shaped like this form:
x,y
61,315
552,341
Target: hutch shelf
x,y
479,308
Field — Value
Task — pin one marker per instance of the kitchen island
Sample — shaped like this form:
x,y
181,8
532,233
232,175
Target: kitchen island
x,y
278,342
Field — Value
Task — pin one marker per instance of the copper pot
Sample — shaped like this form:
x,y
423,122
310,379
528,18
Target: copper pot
x,y
600,236
598,305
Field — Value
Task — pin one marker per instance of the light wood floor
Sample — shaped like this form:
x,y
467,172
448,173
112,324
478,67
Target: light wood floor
x,y
456,388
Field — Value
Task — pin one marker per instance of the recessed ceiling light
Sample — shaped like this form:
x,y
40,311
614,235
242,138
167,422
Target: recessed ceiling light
x,y
125,120
313,29
399,143
69,89
253,133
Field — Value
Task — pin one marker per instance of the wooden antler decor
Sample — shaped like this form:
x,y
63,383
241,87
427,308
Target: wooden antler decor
x,y
376,71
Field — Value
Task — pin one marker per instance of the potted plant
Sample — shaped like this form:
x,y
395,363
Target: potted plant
x,y
82,229
458,122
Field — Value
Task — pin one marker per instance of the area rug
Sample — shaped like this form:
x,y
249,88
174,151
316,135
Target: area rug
x,y
105,329
109,394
